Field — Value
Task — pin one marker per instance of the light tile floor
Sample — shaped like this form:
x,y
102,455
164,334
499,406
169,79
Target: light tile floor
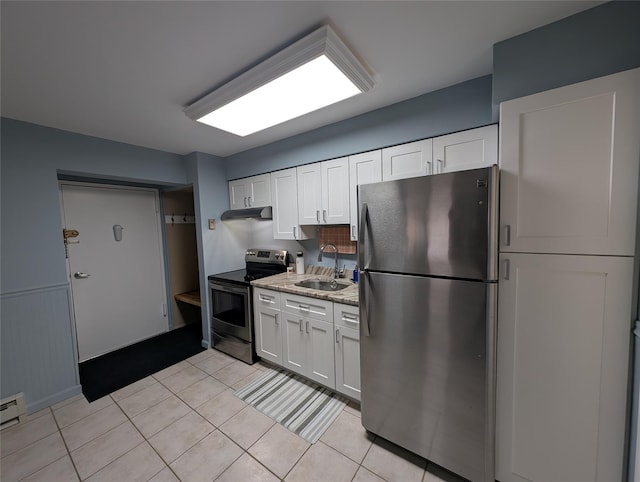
x,y
184,423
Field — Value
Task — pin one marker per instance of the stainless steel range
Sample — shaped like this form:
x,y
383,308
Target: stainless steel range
x,y
231,302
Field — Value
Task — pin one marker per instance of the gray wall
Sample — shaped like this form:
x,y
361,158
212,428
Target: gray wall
x,y
218,250
455,108
599,41
38,354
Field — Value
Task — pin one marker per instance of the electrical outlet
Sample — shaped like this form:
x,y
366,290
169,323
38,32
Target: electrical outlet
x,y
212,224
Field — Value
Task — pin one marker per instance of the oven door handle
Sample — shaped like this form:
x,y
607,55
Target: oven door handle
x,y
241,290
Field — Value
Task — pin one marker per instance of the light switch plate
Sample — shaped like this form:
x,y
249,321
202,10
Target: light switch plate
x,y
212,224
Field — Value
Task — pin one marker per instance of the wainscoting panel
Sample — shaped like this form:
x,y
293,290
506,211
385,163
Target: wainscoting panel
x,y
38,355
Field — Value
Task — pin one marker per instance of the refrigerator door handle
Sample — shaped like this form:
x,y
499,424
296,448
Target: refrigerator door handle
x,y
364,311
364,213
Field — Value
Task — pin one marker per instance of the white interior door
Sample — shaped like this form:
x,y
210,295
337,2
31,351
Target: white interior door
x,y
118,286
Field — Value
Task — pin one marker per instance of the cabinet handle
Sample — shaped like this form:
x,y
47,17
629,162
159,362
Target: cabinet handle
x,y
277,318
265,298
507,268
300,326
318,216
249,199
337,335
440,163
245,202
304,307
294,233
507,235
430,167
307,327
353,231
348,317
324,215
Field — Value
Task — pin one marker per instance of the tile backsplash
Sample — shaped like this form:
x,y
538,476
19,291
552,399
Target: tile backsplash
x,y
338,235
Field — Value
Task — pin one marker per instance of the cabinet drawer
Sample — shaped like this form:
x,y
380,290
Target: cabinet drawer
x,y
309,307
346,316
266,298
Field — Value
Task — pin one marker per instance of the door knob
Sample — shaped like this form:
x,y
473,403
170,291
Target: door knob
x,y
79,275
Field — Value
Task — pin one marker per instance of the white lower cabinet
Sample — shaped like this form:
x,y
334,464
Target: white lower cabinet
x,y
294,346
267,324
315,338
346,323
307,339
562,367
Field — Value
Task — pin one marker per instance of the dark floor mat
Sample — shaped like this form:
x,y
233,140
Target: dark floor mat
x,y
108,373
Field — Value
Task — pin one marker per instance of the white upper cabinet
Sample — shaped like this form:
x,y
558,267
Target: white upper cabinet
x,y
407,160
284,190
335,191
364,168
250,192
309,194
569,168
470,149
323,192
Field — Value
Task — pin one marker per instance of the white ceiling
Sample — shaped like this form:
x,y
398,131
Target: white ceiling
x,y
125,70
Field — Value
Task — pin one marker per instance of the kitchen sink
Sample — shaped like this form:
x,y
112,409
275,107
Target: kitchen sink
x,y
322,285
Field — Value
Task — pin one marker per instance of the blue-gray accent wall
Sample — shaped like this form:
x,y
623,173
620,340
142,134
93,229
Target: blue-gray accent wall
x,y
37,333
459,107
596,42
32,156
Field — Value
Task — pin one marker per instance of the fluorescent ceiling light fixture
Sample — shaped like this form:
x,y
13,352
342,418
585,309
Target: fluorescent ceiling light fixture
x,y
312,73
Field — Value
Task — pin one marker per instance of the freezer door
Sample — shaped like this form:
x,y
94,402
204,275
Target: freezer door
x,y
442,225
426,377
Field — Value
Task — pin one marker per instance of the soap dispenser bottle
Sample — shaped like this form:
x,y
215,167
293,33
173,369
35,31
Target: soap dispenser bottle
x,y
299,263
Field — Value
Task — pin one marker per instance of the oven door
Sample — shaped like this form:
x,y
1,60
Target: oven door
x,y
231,309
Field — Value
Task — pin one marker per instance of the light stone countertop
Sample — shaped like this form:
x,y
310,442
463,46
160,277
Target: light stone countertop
x,y
285,282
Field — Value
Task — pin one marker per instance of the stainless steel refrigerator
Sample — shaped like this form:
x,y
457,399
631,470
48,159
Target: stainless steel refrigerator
x,y
427,251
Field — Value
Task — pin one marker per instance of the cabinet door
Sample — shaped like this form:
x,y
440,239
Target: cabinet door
x,y
259,190
321,364
238,194
309,194
284,192
335,191
562,367
294,344
268,337
569,168
348,361
470,149
407,160
365,168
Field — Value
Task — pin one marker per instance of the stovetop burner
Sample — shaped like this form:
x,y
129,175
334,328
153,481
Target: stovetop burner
x,y
259,263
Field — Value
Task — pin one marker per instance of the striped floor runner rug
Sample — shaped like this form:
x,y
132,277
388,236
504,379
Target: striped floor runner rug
x,y
296,403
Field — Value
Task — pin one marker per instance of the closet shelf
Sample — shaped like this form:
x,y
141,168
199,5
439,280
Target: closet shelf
x,y
190,297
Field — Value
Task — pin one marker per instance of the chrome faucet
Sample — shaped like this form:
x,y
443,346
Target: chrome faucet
x,y
336,271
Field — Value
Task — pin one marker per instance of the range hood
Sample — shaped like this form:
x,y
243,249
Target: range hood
x,y
260,214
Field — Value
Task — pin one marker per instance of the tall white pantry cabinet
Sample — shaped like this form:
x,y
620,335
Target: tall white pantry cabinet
x,y
569,198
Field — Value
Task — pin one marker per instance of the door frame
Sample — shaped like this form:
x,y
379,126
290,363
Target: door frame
x,y
161,240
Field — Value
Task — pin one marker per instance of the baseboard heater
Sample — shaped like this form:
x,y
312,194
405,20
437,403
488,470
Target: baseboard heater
x,y
12,410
